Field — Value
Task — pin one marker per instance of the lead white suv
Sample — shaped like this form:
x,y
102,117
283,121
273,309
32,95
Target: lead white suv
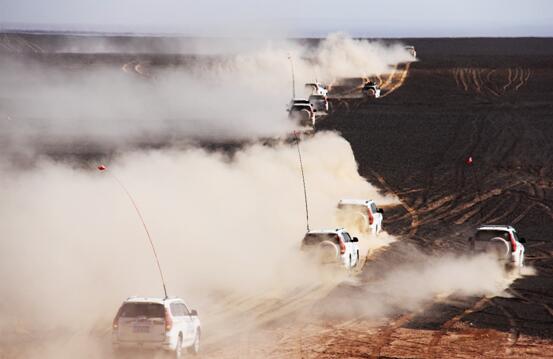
x,y
154,323
332,246
501,241
363,214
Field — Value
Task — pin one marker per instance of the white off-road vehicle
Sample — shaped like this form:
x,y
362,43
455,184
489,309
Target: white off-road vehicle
x,y
319,104
332,246
156,324
302,112
411,50
501,241
317,88
361,214
371,89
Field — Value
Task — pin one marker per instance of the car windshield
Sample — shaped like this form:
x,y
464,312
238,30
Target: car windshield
x,y
301,107
316,98
148,310
316,238
486,235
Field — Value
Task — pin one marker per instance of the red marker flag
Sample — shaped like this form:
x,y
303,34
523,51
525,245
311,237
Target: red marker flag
x,y
102,168
468,161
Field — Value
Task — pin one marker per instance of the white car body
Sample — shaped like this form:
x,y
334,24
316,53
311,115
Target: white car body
x,y
506,238
369,217
139,325
370,89
411,50
317,88
300,106
346,248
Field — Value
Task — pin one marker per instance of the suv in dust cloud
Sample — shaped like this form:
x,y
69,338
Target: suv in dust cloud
x,y
332,246
501,241
362,214
156,324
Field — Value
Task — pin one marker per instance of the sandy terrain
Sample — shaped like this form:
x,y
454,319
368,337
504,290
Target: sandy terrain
x,y
491,99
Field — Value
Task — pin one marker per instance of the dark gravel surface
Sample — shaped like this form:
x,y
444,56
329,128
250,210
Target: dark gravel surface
x,y
415,142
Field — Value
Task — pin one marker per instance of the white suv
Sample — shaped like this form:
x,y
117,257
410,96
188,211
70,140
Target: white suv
x,y
154,323
333,246
361,213
500,240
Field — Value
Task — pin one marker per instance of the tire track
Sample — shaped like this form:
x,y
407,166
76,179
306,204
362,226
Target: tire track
x,y
438,335
415,222
384,337
397,85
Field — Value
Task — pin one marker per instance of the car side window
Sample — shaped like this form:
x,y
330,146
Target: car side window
x,y
373,207
175,310
184,309
346,236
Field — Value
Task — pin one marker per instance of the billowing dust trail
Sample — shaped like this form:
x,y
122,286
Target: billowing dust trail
x,y
388,81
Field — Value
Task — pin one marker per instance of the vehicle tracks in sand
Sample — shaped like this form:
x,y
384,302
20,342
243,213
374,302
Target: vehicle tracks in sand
x,y
491,82
415,222
388,83
432,348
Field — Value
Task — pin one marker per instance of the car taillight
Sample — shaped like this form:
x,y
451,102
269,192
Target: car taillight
x,y
115,323
513,242
370,214
168,321
342,245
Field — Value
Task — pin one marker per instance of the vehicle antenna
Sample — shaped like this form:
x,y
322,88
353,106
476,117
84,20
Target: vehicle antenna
x,y
103,168
293,76
303,181
470,162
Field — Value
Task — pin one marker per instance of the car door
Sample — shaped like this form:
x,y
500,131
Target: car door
x,y
188,326
179,324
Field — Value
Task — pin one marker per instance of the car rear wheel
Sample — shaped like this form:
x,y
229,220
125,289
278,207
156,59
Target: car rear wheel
x,y
178,348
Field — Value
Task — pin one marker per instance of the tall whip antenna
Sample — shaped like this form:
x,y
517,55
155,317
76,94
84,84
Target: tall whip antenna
x,y
293,76
104,168
470,162
303,180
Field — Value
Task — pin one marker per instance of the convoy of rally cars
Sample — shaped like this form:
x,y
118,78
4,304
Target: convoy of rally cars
x,y
169,325
305,111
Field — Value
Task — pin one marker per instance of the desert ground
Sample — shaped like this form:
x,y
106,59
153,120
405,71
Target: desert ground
x,y
489,99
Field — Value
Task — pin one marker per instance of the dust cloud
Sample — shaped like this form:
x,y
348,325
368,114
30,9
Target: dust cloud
x,y
49,103
227,226
73,248
412,280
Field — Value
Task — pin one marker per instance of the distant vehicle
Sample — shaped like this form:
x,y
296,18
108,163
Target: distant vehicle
x,y
319,103
333,246
302,111
364,214
501,241
411,50
371,89
317,88
157,324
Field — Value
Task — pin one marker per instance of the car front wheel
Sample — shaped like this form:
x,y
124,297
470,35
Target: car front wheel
x,y
195,348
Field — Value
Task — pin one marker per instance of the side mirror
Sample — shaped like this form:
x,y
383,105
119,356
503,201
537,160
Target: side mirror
x,y
355,240
522,240
380,210
194,313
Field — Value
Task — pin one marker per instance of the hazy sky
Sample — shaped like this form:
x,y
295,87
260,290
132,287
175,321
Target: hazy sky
x,y
287,17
